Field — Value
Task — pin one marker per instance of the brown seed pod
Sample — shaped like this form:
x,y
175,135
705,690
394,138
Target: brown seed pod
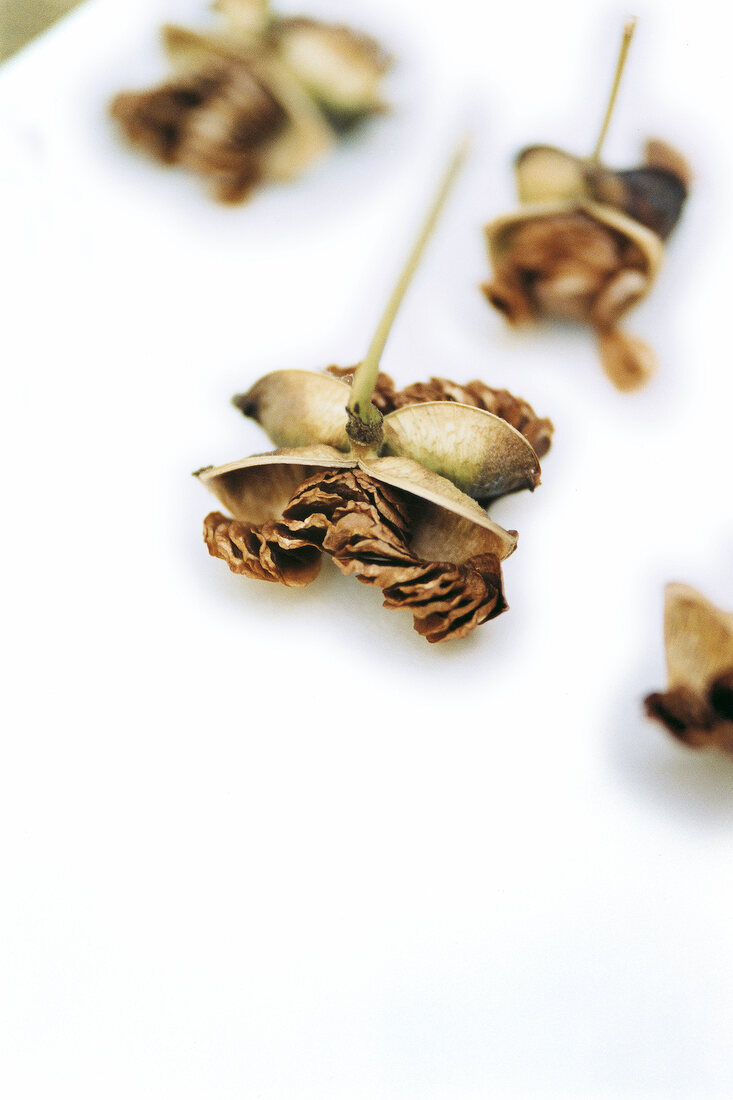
x,y
390,498
587,243
239,110
388,521
697,707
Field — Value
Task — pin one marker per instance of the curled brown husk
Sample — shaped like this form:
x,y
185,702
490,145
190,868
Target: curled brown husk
x,y
387,521
265,552
366,527
697,708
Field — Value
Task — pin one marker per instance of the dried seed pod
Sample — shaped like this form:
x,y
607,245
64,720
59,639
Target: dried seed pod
x,y
265,552
697,707
587,243
482,453
237,110
368,489
389,522
341,69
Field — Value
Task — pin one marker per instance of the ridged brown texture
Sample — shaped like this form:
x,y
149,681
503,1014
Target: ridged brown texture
x,y
558,266
265,552
515,410
365,526
214,122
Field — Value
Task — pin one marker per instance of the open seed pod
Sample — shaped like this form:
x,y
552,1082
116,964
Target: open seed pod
x,y
387,521
251,101
341,69
479,451
391,498
697,707
587,243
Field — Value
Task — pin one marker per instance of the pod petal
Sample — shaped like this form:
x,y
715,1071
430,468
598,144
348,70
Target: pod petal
x,y
478,451
298,407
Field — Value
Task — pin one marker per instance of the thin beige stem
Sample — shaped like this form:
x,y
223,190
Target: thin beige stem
x,y
620,64
365,378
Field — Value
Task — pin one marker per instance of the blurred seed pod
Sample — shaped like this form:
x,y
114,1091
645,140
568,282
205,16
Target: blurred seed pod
x,y
587,242
257,99
697,707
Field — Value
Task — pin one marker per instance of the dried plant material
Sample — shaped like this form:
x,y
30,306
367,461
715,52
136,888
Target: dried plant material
x,y
652,195
341,69
587,242
697,707
368,488
386,521
268,552
239,110
248,19
479,451
378,534
627,361
383,395
298,407
516,411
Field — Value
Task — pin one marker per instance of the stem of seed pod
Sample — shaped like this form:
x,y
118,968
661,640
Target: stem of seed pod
x,y
622,54
360,405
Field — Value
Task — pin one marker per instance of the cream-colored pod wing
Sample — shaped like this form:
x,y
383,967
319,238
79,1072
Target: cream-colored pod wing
x,y
257,489
698,638
447,525
476,450
298,407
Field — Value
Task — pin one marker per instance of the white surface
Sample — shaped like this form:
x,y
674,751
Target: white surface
x,y
227,872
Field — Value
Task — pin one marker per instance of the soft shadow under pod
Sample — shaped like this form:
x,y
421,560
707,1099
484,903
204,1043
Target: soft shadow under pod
x,y
388,484
588,240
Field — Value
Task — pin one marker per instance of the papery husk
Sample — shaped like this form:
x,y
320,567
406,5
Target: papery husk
x,y
230,113
477,450
697,707
516,411
480,453
257,489
387,521
382,534
246,18
265,552
652,195
340,68
298,407
449,523
646,251
578,261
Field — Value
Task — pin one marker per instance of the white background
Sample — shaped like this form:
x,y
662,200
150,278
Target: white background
x,y
261,843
